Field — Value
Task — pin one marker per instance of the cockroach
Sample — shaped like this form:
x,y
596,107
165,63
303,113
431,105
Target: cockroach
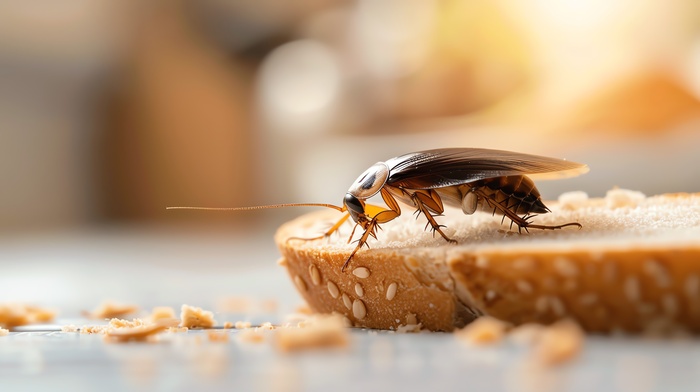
x,y
468,178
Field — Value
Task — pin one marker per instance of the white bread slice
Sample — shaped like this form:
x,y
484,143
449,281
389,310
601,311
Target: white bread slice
x,y
634,266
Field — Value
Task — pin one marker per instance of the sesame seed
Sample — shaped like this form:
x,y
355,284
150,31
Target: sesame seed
x,y
358,309
524,286
359,290
391,291
361,272
315,275
301,285
333,289
346,301
657,271
565,266
631,288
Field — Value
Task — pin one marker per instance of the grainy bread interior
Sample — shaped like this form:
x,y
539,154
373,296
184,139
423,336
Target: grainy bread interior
x,y
635,265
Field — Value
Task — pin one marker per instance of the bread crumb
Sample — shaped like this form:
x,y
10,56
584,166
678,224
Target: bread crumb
x,y
117,324
16,314
409,328
93,329
4,332
573,200
526,334
162,312
265,327
135,333
559,343
228,325
322,331
242,324
484,330
70,328
120,323
194,317
111,309
177,329
216,336
618,198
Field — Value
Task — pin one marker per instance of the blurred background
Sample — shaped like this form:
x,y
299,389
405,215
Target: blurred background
x,y
111,110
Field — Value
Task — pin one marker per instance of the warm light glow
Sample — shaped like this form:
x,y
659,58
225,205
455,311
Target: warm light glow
x,y
299,82
392,37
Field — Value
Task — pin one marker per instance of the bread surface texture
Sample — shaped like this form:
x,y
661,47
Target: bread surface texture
x,y
633,266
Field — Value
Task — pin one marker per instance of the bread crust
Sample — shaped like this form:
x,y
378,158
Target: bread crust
x,y
613,276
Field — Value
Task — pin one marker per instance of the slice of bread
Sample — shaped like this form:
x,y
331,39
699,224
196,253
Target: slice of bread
x,y
634,266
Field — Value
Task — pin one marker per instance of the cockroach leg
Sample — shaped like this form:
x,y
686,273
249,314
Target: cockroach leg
x,y
523,222
418,199
361,242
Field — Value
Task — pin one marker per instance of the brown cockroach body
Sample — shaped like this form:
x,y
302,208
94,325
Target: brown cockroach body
x,y
468,178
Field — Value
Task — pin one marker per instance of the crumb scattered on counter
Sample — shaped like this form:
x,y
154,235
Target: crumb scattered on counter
x,y
322,331
136,333
559,342
4,332
550,345
70,328
161,313
484,330
193,317
242,324
265,327
111,309
526,334
16,314
409,328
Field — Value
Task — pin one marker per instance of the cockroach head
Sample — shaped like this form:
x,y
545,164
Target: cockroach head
x,y
355,207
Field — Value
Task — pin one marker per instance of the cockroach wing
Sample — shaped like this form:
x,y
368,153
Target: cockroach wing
x,y
456,166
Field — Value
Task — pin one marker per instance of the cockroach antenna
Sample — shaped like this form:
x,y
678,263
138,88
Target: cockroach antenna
x,y
232,209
